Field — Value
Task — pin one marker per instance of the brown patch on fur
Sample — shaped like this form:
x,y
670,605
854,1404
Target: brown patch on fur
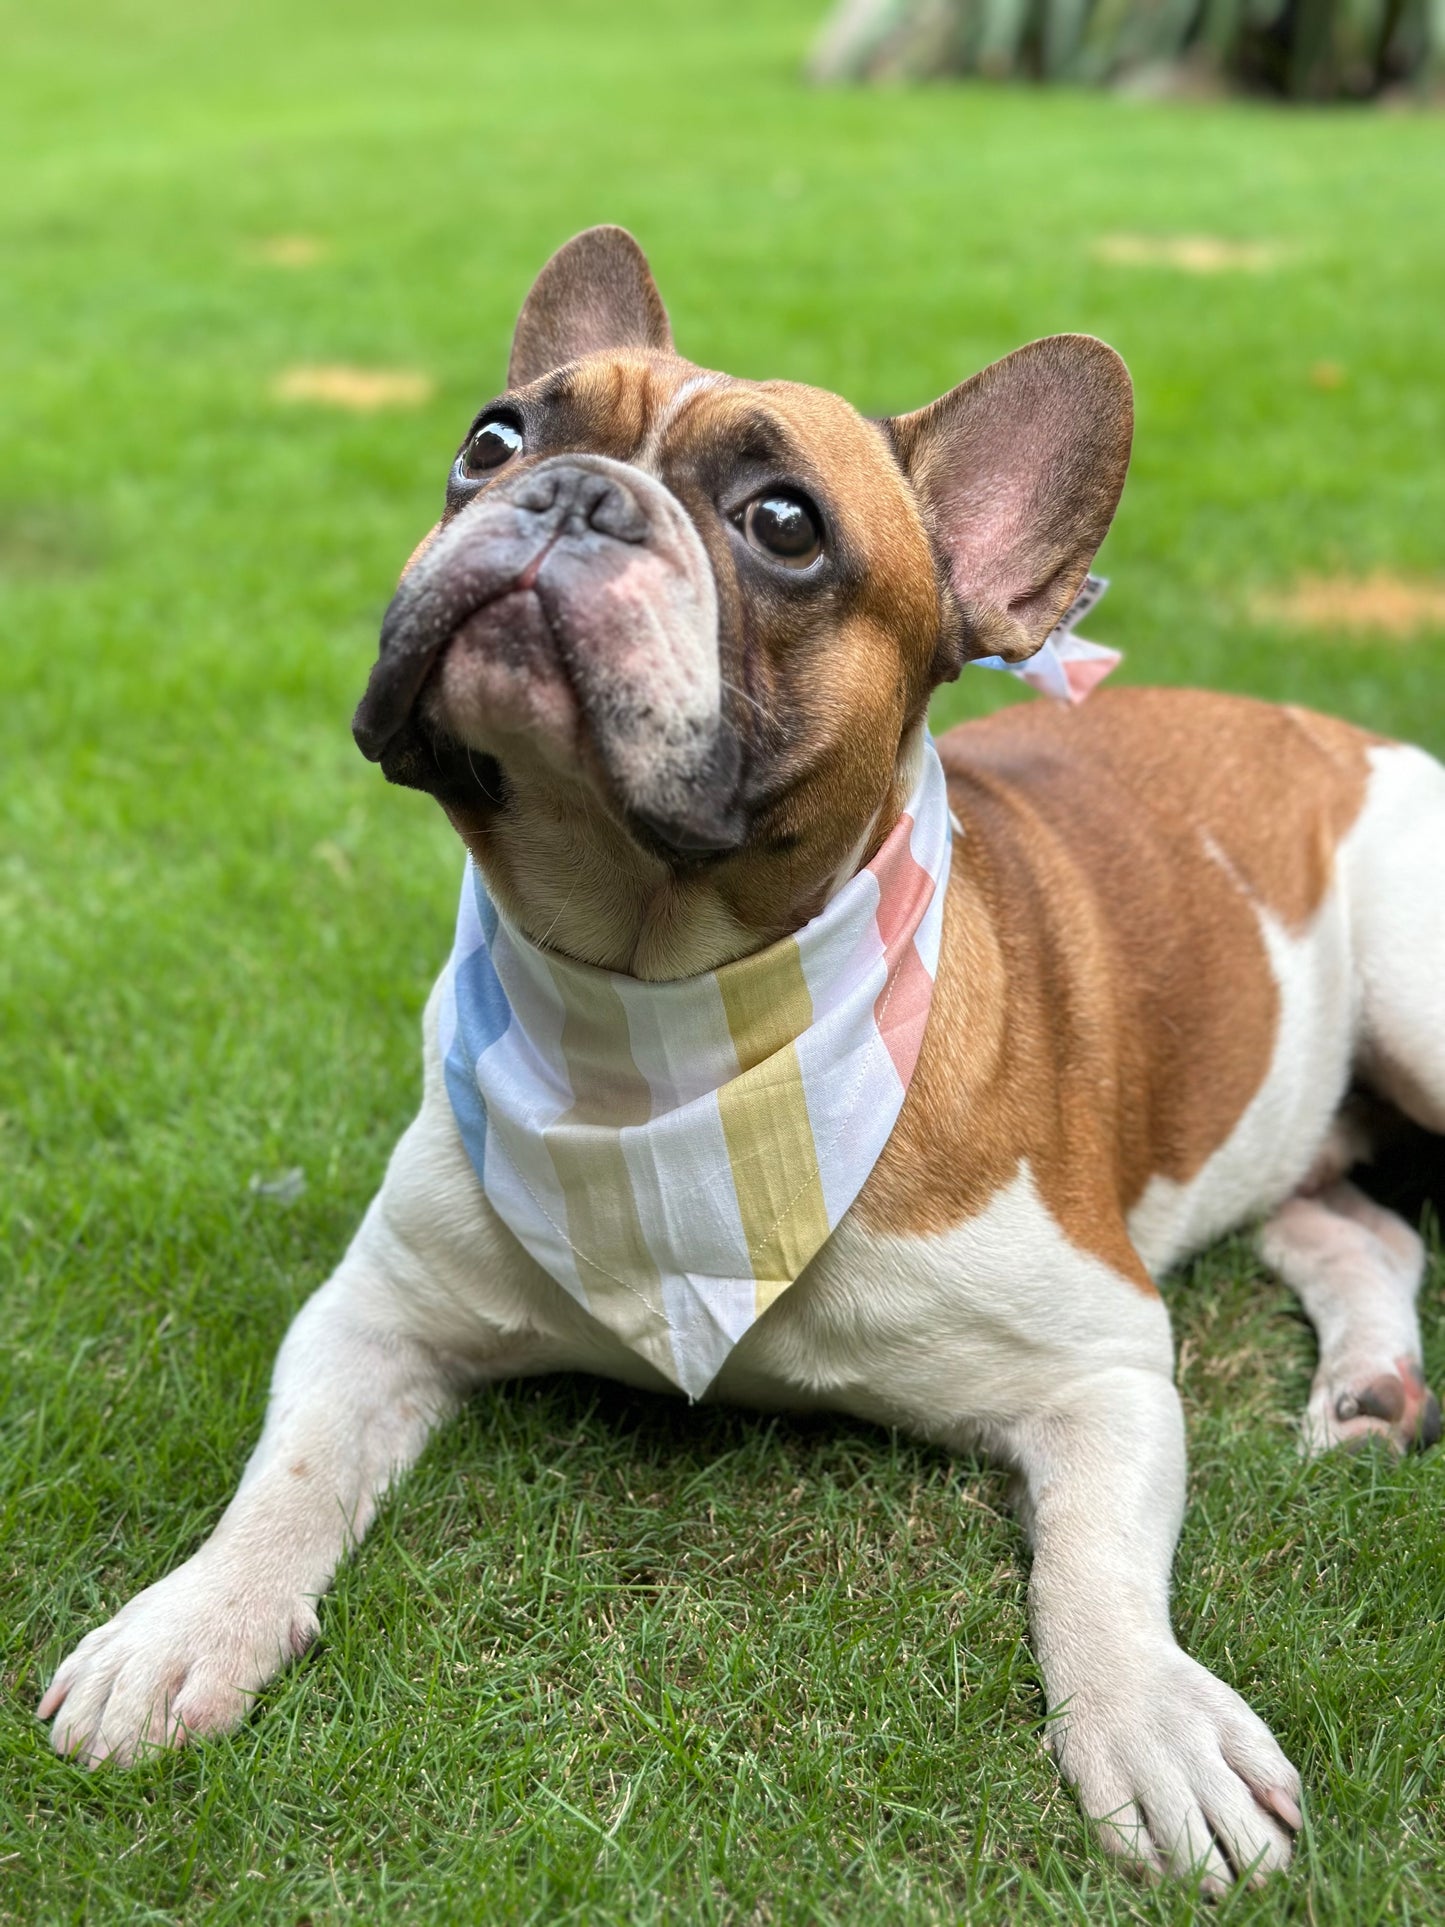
x,y
853,680
1378,604
360,391
1105,1006
607,404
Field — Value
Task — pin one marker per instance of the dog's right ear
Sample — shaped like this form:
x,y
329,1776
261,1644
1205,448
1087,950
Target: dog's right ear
x,y
597,292
1018,472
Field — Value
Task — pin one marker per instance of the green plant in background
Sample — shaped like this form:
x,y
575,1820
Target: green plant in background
x,y
1301,49
607,1659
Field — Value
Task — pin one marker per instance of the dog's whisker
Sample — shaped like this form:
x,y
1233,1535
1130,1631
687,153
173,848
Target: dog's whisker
x,y
743,697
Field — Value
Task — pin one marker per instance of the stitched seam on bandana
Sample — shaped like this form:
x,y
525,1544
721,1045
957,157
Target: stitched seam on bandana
x,y
575,1249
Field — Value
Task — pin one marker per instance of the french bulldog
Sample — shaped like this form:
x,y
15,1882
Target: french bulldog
x,y
790,1059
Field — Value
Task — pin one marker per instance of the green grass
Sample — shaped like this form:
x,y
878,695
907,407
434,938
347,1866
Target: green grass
x,y
603,1659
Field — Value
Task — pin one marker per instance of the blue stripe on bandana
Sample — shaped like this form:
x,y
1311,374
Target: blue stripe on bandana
x,y
483,1013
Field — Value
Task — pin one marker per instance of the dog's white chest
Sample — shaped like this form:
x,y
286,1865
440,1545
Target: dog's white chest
x,y
932,1331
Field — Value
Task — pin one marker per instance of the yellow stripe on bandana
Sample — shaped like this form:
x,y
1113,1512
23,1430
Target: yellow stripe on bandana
x,y
765,1117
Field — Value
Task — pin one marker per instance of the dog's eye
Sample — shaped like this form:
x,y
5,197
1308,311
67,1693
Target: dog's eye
x,y
488,446
785,527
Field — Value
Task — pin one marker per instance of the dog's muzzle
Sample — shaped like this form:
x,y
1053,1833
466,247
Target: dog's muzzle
x,y
492,549
609,589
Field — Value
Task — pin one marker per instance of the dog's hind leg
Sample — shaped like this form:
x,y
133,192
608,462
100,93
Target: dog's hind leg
x,y
1356,1269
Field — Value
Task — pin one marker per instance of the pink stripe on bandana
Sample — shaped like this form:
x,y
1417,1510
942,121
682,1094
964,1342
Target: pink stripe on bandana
x,y
905,890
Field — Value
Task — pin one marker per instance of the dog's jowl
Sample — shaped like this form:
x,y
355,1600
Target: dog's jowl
x,y
789,1058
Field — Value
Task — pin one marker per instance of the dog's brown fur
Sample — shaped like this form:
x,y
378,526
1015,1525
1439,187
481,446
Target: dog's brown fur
x,y
1105,897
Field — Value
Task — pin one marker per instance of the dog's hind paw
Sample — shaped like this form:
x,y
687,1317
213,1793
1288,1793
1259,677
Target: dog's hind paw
x,y
185,1658
1397,1406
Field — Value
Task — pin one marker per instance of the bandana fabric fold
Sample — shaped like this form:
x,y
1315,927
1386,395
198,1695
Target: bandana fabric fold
x,y
1066,667
674,1154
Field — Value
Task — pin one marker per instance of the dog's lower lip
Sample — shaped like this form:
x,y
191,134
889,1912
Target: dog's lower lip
x,y
387,705
397,680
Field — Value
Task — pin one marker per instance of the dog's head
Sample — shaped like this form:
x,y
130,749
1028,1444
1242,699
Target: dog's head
x,y
665,658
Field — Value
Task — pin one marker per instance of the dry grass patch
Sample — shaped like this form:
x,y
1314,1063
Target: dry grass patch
x,y
1189,253
288,251
1378,604
360,390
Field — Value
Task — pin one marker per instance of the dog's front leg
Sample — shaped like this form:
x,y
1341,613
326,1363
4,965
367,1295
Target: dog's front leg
x,y
353,1399
1171,1763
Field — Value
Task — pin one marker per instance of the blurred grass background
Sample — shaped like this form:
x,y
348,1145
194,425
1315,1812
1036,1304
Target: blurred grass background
x,y
603,1660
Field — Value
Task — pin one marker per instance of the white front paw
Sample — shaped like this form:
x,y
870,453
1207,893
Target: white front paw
x,y
186,1657
1177,1772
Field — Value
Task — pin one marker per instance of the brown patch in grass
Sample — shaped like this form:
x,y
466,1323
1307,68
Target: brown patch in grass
x,y
1189,253
360,390
38,541
288,251
1327,375
1378,604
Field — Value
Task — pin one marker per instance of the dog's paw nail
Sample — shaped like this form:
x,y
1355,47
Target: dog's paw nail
x,y
1284,1807
1384,1398
1396,1406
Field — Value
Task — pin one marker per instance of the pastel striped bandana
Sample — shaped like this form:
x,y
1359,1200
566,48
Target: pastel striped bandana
x,y
675,1153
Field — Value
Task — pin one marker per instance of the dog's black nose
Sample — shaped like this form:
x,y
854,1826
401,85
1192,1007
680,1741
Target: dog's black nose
x,y
572,499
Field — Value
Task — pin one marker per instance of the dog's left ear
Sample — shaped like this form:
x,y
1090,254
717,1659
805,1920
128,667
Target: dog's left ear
x,y
1019,471
596,292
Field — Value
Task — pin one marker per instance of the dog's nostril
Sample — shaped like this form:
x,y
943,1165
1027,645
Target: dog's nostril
x,y
537,493
581,498
615,511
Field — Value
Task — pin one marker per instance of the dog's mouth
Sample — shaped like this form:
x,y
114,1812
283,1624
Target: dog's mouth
x,y
528,639
400,723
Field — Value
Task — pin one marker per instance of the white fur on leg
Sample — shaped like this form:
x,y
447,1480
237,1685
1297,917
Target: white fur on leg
x,y
350,1406
1170,1762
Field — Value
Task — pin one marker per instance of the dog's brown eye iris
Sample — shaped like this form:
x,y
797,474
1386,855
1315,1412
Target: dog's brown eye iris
x,y
784,527
489,446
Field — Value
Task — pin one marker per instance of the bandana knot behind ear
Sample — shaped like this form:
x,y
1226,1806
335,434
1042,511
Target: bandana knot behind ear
x,y
1066,667
674,1154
